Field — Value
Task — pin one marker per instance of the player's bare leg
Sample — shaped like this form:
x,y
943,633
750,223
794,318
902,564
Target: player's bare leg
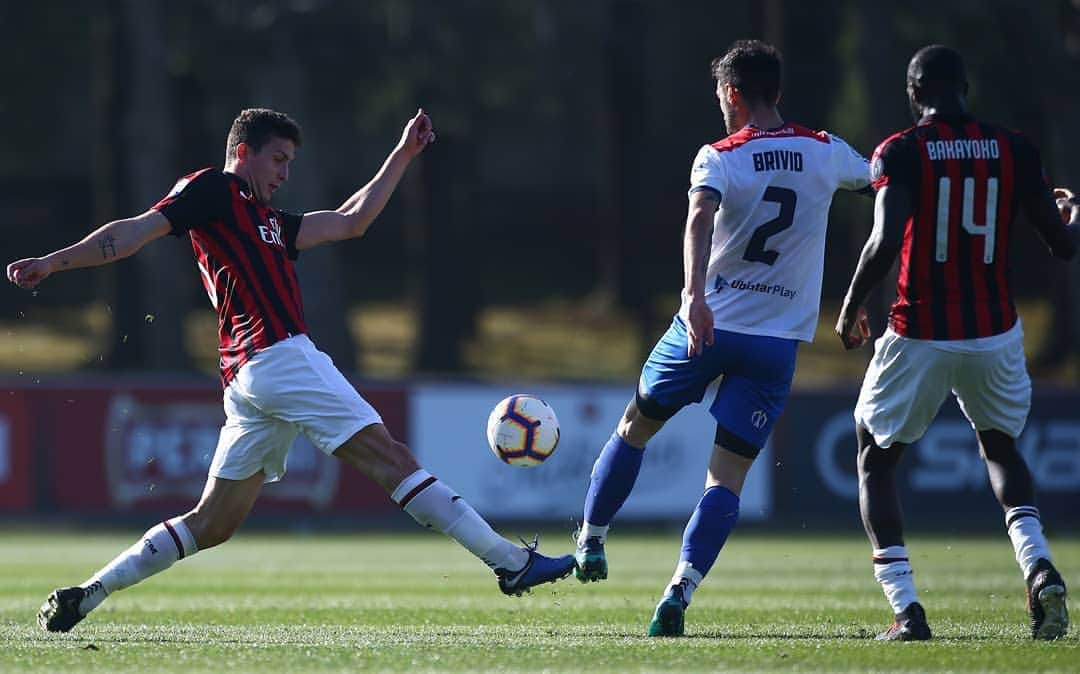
x,y
613,477
706,532
1015,490
883,519
222,508
391,464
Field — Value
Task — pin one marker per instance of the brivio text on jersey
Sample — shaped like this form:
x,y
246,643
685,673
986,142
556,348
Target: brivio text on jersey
x,y
778,160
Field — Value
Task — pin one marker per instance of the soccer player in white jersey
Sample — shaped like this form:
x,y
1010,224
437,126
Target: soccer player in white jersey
x,y
761,196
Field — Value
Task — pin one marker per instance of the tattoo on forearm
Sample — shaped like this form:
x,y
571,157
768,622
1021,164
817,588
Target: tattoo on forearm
x,y
107,244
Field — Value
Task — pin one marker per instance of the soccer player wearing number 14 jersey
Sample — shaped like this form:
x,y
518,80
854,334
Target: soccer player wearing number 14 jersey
x,y
753,253
948,192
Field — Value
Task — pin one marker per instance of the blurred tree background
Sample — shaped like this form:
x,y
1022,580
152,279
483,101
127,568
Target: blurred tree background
x,y
540,237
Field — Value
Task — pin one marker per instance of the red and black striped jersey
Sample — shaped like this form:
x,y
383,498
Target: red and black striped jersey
x,y
967,181
244,251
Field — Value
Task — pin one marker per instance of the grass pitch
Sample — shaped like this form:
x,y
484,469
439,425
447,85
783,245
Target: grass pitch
x,y
417,603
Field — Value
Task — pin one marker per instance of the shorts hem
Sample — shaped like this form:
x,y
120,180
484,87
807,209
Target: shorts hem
x,y
882,440
338,441
733,443
654,410
223,475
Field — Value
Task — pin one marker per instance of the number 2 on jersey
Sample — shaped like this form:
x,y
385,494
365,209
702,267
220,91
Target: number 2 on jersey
x,y
967,217
755,250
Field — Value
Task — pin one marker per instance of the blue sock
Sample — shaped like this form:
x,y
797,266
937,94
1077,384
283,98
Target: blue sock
x,y
613,477
708,528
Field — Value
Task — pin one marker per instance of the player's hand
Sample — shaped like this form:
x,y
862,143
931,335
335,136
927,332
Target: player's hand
x,y
853,327
699,326
29,272
418,134
1066,203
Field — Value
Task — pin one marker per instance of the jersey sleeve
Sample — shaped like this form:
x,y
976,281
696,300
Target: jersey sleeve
x,y
196,199
708,172
1030,176
290,227
852,169
895,161
1032,186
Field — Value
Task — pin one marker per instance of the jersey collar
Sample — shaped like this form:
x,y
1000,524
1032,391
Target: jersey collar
x,y
755,127
239,181
245,189
947,117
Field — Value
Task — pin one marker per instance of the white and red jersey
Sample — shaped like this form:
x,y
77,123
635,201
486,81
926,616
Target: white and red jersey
x,y
768,243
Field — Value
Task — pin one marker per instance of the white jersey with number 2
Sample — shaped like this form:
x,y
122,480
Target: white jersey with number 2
x,y
768,243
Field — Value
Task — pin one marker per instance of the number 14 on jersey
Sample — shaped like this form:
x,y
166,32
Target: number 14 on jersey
x,y
967,216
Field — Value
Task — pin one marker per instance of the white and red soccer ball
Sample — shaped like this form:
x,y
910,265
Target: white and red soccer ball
x,y
523,430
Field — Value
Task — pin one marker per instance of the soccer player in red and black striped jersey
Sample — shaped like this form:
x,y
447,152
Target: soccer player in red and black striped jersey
x,y
276,382
948,193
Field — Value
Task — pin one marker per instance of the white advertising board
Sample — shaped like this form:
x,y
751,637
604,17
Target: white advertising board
x,y
446,430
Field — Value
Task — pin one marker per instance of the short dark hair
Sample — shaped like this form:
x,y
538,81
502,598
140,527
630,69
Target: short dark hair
x,y
256,126
938,69
753,67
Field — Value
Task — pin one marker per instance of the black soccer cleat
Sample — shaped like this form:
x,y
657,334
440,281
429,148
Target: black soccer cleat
x,y
908,625
1046,602
60,612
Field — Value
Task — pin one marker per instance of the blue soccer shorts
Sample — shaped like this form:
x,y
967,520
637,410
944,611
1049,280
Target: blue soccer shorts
x,y
756,370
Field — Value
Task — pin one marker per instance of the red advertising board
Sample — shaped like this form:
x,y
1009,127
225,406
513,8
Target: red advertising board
x,y
137,447
16,465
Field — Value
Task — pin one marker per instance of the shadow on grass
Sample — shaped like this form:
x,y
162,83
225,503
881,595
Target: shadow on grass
x,y
868,636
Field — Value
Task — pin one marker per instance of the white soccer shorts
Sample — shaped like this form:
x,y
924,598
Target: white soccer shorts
x,y
288,388
908,379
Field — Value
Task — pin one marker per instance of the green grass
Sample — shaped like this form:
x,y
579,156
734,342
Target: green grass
x,y
416,603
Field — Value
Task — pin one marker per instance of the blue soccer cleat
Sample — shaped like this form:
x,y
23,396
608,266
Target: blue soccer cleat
x,y
591,562
538,569
668,620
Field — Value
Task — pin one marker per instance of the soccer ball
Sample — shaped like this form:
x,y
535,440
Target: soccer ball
x,y
522,430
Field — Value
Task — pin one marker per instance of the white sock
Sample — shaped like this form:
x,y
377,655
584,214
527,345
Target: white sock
x,y
158,549
1026,534
592,531
434,505
685,571
893,570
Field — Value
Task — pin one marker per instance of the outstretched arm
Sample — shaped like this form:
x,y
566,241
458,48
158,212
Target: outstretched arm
x,y
892,208
353,217
110,242
1046,209
1048,213
699,226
